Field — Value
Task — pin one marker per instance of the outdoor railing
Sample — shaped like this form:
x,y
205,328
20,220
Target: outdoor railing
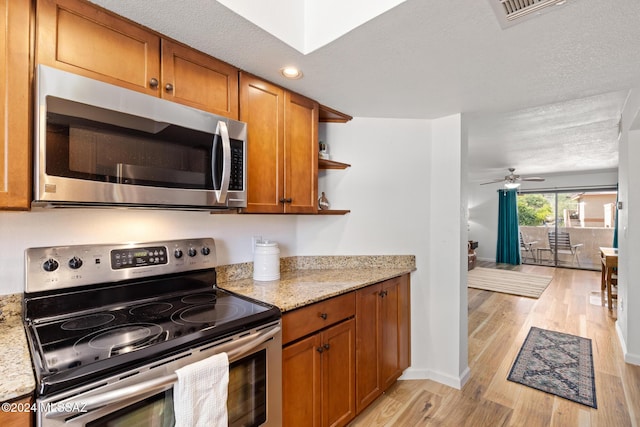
x,y
591,238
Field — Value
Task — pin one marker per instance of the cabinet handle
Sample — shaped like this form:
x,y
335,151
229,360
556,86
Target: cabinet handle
x,y
324,316
287,200
383,294
319,349
168,87
326,346
153,83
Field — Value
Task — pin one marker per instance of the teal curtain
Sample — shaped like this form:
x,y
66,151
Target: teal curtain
x,y
615,222
508,250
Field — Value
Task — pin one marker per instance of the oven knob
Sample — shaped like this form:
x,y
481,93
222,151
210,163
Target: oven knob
x,y
177,253
75,263
50,265
192,252
206,251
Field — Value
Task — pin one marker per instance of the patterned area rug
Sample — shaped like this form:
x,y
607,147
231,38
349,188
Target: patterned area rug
x,y
557,363
508,282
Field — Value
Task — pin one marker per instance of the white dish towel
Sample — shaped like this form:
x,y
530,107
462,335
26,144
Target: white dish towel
x,y
200,395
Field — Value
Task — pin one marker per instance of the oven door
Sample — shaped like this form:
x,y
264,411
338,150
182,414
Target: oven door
x,y
144,397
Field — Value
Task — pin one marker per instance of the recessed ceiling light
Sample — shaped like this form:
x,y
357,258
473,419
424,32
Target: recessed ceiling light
x,y
291,73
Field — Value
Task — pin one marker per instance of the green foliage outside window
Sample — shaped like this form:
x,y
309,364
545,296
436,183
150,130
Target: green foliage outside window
x,y
534,209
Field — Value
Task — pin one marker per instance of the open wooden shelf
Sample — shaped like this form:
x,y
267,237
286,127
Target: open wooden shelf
x,y
331,164
333,212
329,115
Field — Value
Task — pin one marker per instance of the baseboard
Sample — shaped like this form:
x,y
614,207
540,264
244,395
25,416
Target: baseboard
x,y
428,374
633,359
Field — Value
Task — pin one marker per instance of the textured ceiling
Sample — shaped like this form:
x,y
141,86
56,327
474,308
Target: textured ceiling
x,y
543,96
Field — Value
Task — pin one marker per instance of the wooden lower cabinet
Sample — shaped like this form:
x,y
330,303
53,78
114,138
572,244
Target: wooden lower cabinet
x,y
340,354
13,418
319,378
382,331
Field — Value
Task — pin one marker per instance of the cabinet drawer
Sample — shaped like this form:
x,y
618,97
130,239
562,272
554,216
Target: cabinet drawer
x,y
306,320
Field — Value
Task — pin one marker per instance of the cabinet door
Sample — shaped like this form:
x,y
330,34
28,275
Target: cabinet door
x,y
301,383
390,333
338,374
301,154
404,303
368,336
18,419
198,80
84,39
262,108
15,166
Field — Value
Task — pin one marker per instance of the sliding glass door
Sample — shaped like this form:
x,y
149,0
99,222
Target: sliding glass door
x,y
566,228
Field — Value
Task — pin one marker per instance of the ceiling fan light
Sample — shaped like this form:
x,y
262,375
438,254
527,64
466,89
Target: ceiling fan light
x,y
512,185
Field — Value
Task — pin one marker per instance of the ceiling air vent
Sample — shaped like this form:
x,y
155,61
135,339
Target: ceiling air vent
x,y
511,12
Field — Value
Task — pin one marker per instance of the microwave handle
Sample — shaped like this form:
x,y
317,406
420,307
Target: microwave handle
x,y
67,407
221,130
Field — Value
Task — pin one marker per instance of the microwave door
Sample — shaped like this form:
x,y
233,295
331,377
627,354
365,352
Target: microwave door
x,y
221,162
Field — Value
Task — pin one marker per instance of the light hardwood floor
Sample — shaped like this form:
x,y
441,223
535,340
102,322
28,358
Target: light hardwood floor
x,y
498,324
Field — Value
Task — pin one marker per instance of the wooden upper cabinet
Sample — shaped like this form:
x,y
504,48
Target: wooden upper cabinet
x,y
301,154
198,80
262,108
83,39
282,146
15,93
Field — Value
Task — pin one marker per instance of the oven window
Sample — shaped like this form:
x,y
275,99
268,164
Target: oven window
x,y
247,394
155,411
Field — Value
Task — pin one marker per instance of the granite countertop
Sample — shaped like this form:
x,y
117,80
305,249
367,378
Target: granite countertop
x,y
303,281
16,373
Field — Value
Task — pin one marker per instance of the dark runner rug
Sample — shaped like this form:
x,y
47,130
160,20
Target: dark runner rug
x,y
556,363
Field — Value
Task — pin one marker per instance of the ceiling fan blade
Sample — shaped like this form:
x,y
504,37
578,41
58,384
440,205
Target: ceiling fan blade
x,y
493,182
532,178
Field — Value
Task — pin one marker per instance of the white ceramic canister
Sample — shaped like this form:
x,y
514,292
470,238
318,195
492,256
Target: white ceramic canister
x,y
266,261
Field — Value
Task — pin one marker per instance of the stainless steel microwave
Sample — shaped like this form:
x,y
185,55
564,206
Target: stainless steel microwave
x,y
97,144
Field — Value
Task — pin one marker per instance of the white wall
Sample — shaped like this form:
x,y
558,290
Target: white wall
x,y
628,324
21,230
387,189
405,190
448,254
483,204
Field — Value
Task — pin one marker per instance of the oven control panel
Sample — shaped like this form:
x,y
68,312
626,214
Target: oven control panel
x,y
60,267
138,257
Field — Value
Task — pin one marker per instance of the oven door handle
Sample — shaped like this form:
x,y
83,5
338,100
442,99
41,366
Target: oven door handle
x,y
84,404
249,342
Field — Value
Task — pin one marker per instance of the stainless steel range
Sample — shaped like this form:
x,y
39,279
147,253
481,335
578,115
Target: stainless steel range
x,y
108,326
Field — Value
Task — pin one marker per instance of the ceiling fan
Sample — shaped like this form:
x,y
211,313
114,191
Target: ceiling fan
x,y
511,180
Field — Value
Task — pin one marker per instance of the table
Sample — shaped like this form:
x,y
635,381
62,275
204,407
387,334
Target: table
x,y
609,259
541,251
